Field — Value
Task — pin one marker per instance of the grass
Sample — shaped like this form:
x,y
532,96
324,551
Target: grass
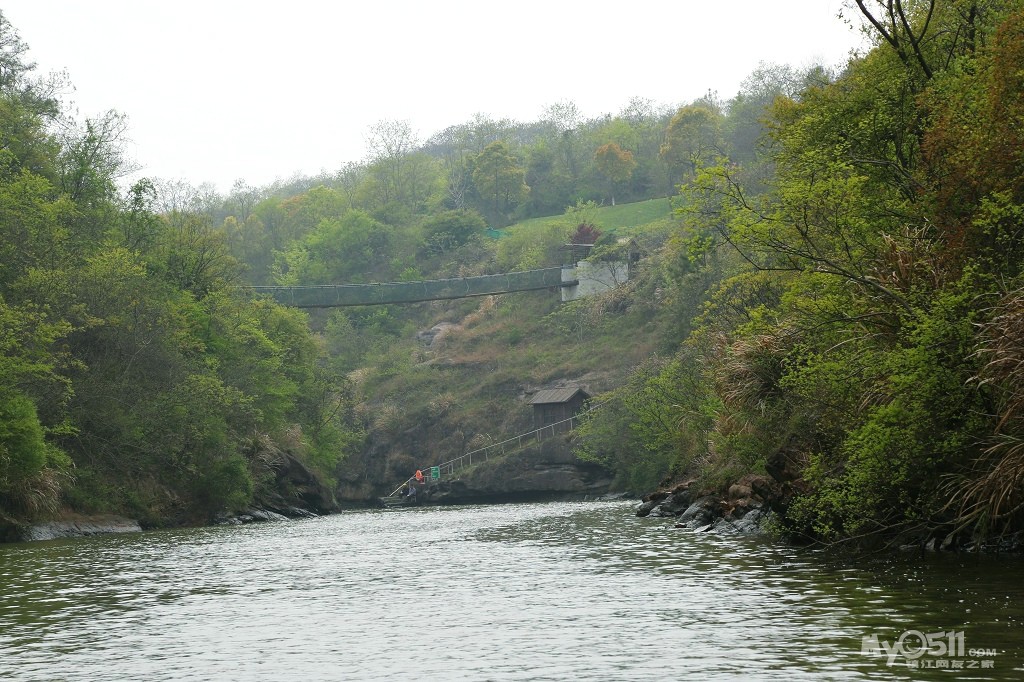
x,y
622,217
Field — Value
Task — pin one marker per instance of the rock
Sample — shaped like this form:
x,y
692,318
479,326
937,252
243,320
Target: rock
x,y
675,504
780,467
266,515
738,491
296,513
80,527
700,513
751,522
248,516
645,507
307,490
723,526
667,503
429,337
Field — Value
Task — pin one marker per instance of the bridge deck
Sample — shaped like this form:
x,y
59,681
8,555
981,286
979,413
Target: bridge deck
x,y
340,295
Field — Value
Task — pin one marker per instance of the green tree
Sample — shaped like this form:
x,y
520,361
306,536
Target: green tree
x,y
693,139
451,229
499,180
348,248
615,164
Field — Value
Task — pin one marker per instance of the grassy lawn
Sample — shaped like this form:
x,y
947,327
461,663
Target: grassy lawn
x,y
616,218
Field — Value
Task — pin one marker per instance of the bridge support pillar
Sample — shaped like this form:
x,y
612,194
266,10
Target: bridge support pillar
x,y
593,278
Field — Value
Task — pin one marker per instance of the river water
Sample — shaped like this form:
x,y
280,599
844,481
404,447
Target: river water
x,y
559,591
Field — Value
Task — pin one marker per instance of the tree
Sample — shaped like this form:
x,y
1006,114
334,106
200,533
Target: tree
x,y
242,200
92,158
693,139
343,249
390,144
30,372
566,119
451,229
615,164
13,65
500,181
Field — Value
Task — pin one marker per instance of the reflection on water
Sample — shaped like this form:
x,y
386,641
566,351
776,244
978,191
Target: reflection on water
x,y
582,591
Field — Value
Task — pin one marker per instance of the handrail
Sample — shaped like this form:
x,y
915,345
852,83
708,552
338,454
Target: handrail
x,y
378,293
451,464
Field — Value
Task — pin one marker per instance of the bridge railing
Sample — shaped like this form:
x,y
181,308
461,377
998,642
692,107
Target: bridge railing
x,y
502,448
339,295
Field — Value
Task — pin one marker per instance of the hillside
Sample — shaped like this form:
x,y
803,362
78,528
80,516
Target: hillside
x,y
828,301
461,378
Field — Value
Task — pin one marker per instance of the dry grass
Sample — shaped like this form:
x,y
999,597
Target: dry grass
x,y
748,370
990,495
41,496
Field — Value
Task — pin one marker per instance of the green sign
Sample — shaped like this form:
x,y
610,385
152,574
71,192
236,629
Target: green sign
x,y
435,473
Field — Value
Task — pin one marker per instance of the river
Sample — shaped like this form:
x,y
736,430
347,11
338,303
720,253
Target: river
x,y
555,591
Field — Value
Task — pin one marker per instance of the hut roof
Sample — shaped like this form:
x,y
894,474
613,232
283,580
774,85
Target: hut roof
x,y
557,395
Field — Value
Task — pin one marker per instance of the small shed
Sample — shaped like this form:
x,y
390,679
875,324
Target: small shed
x,y
554,405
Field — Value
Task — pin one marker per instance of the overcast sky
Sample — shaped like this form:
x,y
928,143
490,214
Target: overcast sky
x,y
217,91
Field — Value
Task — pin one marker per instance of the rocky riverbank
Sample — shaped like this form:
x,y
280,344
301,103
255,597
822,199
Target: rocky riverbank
x,y
743,509
748,505
72,526
76,526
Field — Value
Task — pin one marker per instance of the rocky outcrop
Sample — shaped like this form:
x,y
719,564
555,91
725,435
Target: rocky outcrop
x,y
71,527
261,515
429,337
296,488
743,509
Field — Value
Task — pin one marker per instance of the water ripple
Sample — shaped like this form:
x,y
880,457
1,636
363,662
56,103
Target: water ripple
x,y
582,591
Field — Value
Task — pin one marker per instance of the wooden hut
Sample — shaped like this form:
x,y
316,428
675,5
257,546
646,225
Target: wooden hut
x,y
551,406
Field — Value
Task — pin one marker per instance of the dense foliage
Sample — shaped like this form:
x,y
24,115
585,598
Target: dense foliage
x,y
861,343
134,377
836,303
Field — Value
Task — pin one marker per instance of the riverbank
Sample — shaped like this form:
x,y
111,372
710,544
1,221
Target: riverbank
x,y
756,505
73,525
68,526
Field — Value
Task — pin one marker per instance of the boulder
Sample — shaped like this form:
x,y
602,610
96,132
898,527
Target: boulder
x,y
700,513
724,527
751,522
645,508
673,505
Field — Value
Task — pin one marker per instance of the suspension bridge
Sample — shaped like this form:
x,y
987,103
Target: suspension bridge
x,y
574,281
341,295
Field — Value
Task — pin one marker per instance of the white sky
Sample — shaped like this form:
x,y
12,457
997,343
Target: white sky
x,y
216,90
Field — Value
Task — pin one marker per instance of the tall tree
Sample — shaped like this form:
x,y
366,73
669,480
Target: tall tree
x,y
615,164
693,139
500,181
